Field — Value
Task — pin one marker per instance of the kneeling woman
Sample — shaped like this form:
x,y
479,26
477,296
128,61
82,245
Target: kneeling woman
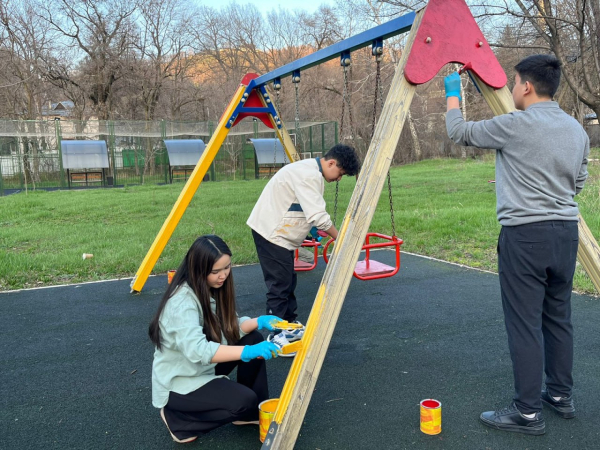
x,y
199,340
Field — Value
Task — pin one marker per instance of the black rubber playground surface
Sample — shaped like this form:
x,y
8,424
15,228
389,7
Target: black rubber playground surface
x,y
76,364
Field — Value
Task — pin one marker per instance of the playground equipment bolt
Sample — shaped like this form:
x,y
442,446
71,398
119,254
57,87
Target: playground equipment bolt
x,y
245,95
480,44
296,79
428,40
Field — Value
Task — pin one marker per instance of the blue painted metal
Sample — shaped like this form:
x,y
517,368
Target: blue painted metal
x,y
385,30
377,44
241,108
345,59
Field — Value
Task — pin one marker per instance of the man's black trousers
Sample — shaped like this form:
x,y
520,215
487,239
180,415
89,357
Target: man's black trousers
x,y
536,264
277,264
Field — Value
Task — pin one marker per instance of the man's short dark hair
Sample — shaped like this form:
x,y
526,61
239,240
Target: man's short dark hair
x,y
543,71
345,157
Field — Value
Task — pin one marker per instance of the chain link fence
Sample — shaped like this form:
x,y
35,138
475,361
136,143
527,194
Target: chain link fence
x,y
31,158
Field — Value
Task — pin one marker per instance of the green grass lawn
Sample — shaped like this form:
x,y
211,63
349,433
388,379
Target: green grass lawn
x,y
443,208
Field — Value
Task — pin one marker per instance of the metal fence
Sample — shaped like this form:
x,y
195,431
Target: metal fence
x,y
30,151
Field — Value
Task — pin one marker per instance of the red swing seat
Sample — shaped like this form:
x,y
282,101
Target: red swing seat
x,y
369,269
302,266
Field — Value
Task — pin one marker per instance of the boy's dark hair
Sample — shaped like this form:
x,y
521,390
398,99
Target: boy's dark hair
x,y
543,71
346,158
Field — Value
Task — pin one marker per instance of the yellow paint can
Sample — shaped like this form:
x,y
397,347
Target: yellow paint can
x,y
170,275
431,416
266,411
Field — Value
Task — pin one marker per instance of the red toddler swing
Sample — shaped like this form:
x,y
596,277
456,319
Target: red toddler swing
x,y
369,269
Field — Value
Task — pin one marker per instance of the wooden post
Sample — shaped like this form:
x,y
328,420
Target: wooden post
x,y
305,369
501,102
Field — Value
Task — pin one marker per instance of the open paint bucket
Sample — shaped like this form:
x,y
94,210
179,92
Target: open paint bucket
x,y
170,275
266,411
431,416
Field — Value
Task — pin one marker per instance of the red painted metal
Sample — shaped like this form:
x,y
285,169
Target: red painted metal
x,y
301,266
449,34
253,101
369,269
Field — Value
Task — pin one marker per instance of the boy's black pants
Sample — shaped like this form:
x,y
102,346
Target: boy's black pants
x,y
277,264
220,401
536,264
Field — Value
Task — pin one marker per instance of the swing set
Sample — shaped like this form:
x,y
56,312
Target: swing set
x,y
368,268
252,99
442,32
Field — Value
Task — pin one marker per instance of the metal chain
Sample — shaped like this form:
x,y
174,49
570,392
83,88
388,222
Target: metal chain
x,y
380,83
389,179
297,118
349,108
343,108
379,95
277,92
346,100
337,186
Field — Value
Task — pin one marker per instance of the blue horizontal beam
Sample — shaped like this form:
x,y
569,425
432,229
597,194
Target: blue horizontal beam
x,y
252,110
386,30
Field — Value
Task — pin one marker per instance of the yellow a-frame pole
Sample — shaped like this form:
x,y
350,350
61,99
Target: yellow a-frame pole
x,y
302,378
190,188
501,102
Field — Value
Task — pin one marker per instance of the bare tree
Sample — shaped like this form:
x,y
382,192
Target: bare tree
x,y
102,31
24,40
163,41
321,28
569,29
216,46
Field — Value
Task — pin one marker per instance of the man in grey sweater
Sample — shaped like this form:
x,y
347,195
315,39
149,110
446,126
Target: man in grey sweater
x,y
541,164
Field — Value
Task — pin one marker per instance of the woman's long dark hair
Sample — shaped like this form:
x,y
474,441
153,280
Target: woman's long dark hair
x,y
194,270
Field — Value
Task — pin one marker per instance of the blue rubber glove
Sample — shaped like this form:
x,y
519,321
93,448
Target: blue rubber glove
x,y
266,322
314,232
452,86
264,349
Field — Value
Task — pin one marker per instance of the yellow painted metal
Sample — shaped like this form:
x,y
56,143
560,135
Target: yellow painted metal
x,y
194,182
282,134
288,144
186,195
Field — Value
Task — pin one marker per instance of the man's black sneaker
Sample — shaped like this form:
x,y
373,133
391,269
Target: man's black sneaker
x,y
511,419
564,407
